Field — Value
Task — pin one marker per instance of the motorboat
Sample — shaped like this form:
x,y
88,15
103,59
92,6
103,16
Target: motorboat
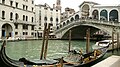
x,y
105,43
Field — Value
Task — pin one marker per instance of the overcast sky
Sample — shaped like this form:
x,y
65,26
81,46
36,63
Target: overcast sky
x,y
75,3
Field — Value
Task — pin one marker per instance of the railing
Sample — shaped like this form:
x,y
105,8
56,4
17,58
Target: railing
x,y
89,21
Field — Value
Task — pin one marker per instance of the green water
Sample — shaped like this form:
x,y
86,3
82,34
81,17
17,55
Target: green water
x,y
56,49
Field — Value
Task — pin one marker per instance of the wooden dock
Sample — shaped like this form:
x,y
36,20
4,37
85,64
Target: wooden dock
x,y
112,61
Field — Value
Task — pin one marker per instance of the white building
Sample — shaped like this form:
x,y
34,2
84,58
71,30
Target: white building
x,y
17,18
46,14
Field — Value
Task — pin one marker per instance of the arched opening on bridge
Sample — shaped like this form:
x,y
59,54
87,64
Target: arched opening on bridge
x,y
77,17
64,24
60,25
7,30
85,11
72,19
113,15
68,21
95,14
103,15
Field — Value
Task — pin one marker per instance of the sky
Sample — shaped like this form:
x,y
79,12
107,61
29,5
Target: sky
x,y
75,3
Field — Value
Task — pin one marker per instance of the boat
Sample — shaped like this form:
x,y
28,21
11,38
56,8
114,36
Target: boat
x,y
76,59
105,43
5,61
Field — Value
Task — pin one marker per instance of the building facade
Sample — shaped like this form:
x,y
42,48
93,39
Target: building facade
x,y
46,14
17,18
97,11
67,13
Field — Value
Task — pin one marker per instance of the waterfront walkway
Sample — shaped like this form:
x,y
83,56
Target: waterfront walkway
x,y
112,61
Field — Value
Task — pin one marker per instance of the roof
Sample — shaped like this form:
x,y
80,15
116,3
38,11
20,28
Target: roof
x,y
108,5
89,2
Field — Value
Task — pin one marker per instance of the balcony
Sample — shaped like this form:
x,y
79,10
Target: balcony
x,y
23,22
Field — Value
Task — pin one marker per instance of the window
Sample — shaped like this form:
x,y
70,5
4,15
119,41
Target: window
x,y
32,27
32,9
26,18
32,2
23,33
32,33
23,17
26,7
11,16
16,16
23,7
16,33
25,26
16,5
3,1
3,14
11,3
16,26
32,19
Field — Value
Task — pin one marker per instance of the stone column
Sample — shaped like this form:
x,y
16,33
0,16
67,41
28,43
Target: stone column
x,y
0,33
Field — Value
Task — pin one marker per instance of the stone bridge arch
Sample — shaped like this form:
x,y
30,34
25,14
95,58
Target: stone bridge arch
x,y
94,25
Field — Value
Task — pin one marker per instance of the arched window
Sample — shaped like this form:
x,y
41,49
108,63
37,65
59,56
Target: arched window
x,y
26,18
95,14
16,16
72,19
51,19
103,15
113,15
57,27
32,19
3,1
57,21
3,14
85,10
23,17
63,23
68,21
60,25
76,17
11,16
45,18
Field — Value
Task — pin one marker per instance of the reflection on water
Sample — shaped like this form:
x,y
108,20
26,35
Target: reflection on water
x,y
56,48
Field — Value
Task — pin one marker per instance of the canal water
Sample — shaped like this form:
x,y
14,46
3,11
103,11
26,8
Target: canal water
x,y
56,49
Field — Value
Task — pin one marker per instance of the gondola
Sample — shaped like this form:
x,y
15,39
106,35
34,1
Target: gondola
x,y
85,60
5,61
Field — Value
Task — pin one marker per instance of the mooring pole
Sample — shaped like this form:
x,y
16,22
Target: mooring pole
x,y
69,41
61,62
44,32
87,40
47,38
112,41
118,43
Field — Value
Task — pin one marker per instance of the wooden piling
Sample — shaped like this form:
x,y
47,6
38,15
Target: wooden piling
x,y
87,40
47,38
112,40
69,41
61,62
44,32
118,43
